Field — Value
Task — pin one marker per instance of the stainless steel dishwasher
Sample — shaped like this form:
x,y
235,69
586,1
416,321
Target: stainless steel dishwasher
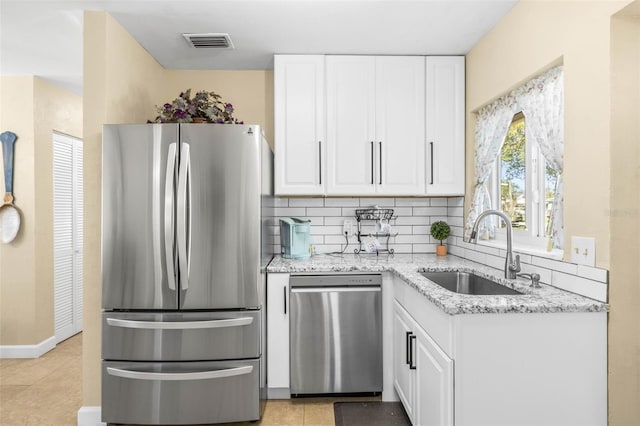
x,y
336,334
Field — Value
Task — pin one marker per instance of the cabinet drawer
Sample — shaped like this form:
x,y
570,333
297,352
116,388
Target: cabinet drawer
x,y
180,336
180,393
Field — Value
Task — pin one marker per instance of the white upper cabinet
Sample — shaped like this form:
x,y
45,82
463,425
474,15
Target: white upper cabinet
x,y
299,124
445,125
394,125
375,125
400,129
351,146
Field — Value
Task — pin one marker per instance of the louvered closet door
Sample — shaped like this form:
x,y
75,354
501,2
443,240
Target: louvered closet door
x,y
67,235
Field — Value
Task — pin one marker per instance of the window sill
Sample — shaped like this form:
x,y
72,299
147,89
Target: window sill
x,y
554,254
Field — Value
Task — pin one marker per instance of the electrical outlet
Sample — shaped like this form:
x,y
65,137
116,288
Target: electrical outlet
x,y
583,251
347,227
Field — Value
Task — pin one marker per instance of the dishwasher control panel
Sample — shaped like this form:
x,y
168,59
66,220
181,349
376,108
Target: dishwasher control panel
x,y
335,280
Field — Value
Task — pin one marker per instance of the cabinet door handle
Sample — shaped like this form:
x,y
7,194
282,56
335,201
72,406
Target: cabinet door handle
x,y
431,148
371,162
407,345
285,299
320,162
380,162
412,366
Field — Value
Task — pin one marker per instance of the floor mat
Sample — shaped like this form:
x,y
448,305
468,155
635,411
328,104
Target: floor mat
x,y
370,413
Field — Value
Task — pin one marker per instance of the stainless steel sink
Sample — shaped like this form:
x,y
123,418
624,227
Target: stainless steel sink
x,y
467,283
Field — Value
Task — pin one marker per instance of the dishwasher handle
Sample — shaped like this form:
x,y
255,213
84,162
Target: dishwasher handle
x,y
335,289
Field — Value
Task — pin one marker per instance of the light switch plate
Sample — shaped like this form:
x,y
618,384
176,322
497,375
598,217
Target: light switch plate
x,y
583,251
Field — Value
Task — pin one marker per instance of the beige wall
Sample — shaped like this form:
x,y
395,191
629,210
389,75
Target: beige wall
x,y
26,264
533,36
122,84
601,149
624,294
250,92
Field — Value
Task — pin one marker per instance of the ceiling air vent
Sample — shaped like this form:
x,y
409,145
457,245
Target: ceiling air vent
x,y
209,41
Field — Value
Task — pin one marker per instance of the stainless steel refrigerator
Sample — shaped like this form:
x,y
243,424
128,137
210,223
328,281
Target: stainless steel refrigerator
x,y
184,250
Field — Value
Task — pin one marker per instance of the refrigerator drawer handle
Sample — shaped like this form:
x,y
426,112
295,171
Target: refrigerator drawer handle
x,y
199,375
179,325
170,174
334,289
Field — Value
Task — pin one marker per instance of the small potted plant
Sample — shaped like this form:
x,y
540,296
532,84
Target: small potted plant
x,y
440,230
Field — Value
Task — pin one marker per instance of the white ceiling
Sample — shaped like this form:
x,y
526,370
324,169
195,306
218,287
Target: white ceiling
x,y
44,37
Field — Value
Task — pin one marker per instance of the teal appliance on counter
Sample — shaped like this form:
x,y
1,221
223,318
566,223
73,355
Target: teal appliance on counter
x,y
295,237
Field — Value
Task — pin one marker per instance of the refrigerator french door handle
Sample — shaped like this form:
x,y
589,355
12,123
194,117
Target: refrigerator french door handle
x,y
184,214
170,175
198,375
179,325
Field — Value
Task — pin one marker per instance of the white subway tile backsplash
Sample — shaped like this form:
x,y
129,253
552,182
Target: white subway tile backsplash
x,y
439,202
455,221
595,274
328,248
414,217
337,239
402,211
324,211
456,251
402,248
424,248
413,220
348,212
421,229
455,202
341,202
593,289
430,211
326,230
306,202
413,202
556,265
414,239
494,261
475,256
454,211
280,202
339,220
457,231
289,211
380,202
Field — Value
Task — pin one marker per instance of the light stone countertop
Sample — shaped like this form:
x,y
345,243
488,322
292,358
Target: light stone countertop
x,y
546,299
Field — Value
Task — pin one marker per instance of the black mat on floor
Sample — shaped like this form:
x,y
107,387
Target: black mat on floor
x,y
370,413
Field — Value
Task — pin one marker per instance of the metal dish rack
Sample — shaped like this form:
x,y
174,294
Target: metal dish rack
x,y
373,214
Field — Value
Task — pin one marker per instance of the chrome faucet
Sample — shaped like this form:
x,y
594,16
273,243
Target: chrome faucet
x,y
511,266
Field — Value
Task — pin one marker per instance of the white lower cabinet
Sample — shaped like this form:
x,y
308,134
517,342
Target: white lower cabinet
x,y
526,369
423,373
278,336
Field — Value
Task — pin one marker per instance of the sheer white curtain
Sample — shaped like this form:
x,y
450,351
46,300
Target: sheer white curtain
x,y
542,102
492,125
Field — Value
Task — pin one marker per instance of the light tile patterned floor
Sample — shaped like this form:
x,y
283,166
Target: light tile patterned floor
x,y
48,391
45,390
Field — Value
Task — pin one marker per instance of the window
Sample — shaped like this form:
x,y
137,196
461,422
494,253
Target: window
x,y
522,185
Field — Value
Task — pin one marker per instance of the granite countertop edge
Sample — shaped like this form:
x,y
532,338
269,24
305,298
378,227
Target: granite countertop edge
x,y
547,299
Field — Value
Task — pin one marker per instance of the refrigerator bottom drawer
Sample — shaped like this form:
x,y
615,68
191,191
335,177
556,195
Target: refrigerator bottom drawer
x,y
180,392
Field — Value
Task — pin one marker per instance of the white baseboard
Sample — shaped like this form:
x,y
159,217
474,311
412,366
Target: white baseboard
x,y
90,416
28,351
